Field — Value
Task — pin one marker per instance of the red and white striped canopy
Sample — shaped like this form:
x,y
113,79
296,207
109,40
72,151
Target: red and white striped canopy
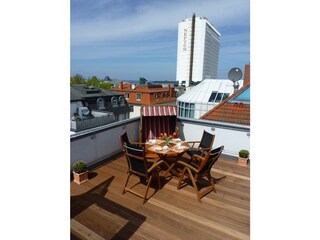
x,y
148,111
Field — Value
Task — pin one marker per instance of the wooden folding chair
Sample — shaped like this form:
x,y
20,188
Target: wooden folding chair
x,y
198,168
204,146
140,167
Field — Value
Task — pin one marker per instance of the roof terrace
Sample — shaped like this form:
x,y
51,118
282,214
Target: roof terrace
x,y
99,210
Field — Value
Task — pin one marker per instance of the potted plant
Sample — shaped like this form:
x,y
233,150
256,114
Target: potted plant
x,y
243,157
80,172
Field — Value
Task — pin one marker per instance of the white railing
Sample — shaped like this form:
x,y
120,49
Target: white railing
x,y
83,124
97,144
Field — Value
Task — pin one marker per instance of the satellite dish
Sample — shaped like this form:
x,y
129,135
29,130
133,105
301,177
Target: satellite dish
x,y
235,74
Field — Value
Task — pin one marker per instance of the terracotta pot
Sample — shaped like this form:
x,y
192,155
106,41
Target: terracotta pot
x,y
80,177
242,161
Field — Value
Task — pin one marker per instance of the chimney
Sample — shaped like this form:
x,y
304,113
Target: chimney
x,y
169,90
121,85
246,77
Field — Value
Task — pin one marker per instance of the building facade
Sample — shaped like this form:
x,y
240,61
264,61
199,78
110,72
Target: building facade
x,y
203,97
138,95
91,107
198,50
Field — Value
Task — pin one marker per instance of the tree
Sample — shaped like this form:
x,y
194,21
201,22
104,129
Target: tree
x,y
142,80
77,79
93,81
105,85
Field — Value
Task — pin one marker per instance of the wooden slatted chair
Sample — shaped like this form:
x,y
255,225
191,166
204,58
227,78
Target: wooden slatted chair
x,y
198,168
139,166
125,140
204,146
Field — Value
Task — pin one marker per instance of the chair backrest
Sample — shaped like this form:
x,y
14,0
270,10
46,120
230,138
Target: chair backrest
x,y
136,159
206,140
210,159
157,119
124,140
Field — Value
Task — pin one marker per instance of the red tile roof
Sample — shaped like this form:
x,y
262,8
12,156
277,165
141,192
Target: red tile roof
x,y
231,112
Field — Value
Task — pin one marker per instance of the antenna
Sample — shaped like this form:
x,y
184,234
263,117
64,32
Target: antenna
x,y
234,75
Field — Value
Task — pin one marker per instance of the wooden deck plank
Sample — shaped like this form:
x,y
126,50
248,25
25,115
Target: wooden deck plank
x,y
99,210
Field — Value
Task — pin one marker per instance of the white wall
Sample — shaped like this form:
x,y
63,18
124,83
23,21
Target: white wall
x,y
100,143
233,138
95,145
136,111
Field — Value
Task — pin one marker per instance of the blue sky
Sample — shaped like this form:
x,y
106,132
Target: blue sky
x,y
128,39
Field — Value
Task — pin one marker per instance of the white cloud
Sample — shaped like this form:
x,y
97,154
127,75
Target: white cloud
x,y
149,18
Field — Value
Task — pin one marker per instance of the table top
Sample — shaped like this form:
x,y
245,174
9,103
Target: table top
x,y
159,146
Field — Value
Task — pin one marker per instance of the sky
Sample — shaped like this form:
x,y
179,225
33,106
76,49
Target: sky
x,y
128,39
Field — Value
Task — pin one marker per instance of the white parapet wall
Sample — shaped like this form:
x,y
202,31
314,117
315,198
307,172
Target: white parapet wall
x,y
234,137
99,143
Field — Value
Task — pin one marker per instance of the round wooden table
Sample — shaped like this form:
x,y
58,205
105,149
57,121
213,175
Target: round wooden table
x,y
170,153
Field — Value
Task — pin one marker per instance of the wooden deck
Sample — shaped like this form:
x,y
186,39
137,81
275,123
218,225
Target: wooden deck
x,y
99,210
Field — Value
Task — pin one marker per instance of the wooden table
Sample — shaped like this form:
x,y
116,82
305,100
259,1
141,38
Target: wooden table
x,y
170,154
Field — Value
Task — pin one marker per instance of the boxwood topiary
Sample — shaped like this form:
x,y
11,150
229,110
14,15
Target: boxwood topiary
x,y
244,153
79,166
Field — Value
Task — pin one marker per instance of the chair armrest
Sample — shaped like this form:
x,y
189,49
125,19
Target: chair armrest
x,y
197,157
193,143
140,144
204,151
187,165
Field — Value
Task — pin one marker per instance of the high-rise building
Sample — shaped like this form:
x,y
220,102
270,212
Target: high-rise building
x,y
198,50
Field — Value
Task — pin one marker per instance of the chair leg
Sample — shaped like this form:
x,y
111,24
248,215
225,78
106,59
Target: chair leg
x,y
124,189
194,185
181,178
159,180
212,183
145,196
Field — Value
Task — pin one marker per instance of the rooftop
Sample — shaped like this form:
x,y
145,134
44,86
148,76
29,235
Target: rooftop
x,y
202,92
81,91
234,109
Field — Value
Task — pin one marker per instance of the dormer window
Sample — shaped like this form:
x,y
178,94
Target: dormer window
x,y
114,102
101,104
121,101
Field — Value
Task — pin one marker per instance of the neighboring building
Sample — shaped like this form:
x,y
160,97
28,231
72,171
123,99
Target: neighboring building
x,y
236,108
137,95
204,96
92,107
198,50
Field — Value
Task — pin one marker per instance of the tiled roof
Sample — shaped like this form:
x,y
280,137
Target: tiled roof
x,y
230,111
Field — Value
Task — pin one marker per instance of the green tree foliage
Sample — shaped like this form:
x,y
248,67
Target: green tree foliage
x,y
91,81
77,79
105,85
142,80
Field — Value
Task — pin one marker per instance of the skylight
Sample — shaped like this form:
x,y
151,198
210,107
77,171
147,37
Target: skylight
x,y
243,97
